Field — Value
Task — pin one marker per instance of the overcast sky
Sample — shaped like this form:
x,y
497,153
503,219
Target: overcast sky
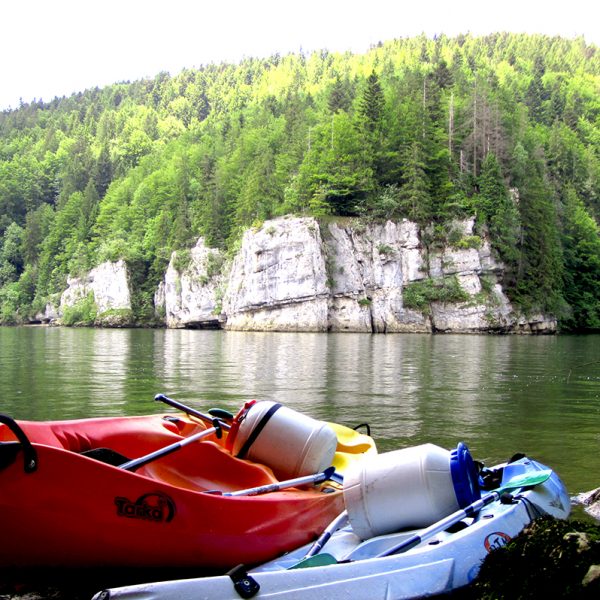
x,y
58,47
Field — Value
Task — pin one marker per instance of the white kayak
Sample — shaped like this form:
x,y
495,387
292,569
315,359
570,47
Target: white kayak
x,y
435,559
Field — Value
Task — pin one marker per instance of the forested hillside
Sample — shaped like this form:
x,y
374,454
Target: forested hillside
x,y
504,127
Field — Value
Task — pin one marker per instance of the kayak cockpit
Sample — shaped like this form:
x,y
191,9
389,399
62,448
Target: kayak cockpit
x,y
202,466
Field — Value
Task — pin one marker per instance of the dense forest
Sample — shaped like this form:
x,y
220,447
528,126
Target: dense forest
x,y
504,127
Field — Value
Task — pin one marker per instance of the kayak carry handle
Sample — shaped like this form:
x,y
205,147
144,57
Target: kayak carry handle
x,y
30,458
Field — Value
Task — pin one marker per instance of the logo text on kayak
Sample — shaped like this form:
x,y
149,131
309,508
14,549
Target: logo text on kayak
x,y
496,540
155,506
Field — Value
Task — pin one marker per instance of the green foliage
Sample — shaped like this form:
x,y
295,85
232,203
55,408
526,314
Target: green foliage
x,y
415,199
214,264
425,129
385,250
11,260
83,312
10,303
114,317
469,241
419,295
581,243
540,267
18,301
372,103
182,260
497,209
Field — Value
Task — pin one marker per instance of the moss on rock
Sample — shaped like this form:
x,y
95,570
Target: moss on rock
x,y
550,559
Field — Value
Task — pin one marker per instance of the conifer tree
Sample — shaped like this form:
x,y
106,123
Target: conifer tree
x,y
499,212
415,199
581,242
370,108
540,264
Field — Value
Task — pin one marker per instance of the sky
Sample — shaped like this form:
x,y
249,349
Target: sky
x,y
59,47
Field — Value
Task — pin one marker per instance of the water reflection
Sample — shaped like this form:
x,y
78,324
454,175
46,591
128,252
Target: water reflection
x,y
108,370
539,395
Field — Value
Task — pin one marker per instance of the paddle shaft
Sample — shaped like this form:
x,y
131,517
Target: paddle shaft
x,y
190,411
136,463
338,522
441,525
288,483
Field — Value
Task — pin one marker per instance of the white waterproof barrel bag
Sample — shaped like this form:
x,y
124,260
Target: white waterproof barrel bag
x,y
408,488
290,443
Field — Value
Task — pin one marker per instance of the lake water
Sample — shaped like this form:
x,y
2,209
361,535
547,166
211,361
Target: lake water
x,y
498,394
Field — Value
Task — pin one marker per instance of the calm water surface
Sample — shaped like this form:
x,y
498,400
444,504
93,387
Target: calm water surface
x,y
500,395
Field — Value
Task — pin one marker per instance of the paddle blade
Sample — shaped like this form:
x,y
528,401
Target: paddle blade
x,y
318,560
526,480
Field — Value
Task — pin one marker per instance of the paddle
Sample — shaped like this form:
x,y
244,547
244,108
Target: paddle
x,y
136,463
280,485
191,411
337,523
520,481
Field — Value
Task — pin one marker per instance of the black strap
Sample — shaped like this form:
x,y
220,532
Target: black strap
x,y
256,431
243,583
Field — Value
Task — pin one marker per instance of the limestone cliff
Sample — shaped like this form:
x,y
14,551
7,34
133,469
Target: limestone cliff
x,y
293,274
189,295
278,279
107,288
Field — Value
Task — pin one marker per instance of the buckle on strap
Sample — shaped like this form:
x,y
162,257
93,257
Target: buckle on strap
x,y
237,421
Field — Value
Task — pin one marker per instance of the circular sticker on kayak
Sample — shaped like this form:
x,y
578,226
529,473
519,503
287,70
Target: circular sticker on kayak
x,y
154,506
496,540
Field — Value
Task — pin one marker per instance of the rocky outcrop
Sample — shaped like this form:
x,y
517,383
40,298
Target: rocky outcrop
x,y
189,295
368,268
278,280
295,274
49,315
107,288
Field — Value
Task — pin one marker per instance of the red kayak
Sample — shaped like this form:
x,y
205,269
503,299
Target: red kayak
x,y
69,499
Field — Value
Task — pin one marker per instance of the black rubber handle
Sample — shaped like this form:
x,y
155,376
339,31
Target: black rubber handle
x,y
29,452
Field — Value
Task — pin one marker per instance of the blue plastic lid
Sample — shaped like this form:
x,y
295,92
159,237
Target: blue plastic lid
x,y
464,476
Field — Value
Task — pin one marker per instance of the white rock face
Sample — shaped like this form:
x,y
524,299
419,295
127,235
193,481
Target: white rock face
x,y
109,284
293,275
190,297
368,268
278,280
50,314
